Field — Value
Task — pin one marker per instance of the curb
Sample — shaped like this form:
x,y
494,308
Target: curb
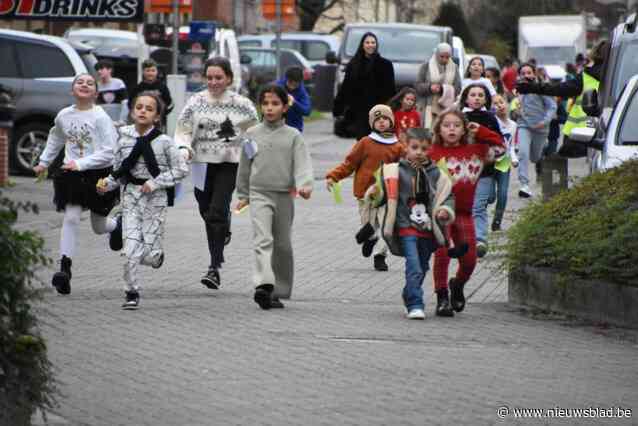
x,y
596,301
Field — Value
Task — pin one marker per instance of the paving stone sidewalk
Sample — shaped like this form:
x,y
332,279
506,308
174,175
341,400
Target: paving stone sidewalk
x,y
340,353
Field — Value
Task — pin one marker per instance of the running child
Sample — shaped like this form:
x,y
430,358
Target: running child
x,y
364,159
464,147
477,107
534,116
148,165
504,164
405,114
420,204
273,167
88,137
475,73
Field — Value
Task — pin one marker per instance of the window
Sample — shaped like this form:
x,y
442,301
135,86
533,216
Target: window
x,y
249,43
316,50
33,58
628,134
8,66
397,44
256,58
626,67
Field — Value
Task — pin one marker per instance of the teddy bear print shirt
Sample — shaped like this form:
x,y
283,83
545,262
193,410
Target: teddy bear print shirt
x,y
88,137
211,128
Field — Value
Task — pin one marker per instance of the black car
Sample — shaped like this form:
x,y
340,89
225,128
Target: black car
x,y
263,67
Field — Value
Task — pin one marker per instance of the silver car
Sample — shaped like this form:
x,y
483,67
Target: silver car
x,y
39,70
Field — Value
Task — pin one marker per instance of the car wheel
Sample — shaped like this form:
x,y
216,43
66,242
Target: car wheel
x,y
28,143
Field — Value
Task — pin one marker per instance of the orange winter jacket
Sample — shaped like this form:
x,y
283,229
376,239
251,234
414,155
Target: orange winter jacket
x,y
365,157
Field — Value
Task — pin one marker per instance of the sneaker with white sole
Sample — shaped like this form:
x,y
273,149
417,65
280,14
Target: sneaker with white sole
x,y
524,191
481,248
416,314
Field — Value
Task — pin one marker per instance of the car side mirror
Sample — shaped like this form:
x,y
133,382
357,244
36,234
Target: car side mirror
x,y
245,59
331,58
586,136
590,103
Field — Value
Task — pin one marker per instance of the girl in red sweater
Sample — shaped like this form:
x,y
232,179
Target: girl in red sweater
x,y
405,114
464,147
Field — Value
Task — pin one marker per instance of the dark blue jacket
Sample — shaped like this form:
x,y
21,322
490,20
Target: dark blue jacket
x,y
301,107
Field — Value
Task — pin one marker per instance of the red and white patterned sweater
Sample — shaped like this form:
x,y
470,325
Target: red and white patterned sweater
x,y
465,163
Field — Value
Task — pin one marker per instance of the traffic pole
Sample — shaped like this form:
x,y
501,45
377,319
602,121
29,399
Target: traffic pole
x,y
175,34
278,37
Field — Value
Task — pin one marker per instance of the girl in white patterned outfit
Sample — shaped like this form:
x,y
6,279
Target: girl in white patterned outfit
x,y
209,128
88,137
147,166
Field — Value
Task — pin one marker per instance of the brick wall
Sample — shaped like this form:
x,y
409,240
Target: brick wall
x,y
4,156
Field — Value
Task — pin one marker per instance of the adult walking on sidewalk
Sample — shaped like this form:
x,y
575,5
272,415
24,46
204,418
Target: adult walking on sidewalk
x,y
588,79
368,81
209,128
437,84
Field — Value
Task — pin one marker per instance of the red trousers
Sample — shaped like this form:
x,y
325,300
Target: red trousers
x,y
461,231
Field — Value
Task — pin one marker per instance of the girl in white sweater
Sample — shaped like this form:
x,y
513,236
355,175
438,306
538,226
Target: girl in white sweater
x,y
88,137
209,129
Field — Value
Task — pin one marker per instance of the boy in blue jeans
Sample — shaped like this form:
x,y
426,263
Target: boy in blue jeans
x,y
420,205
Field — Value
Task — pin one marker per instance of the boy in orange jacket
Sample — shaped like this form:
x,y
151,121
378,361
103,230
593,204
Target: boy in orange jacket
x,y
380,147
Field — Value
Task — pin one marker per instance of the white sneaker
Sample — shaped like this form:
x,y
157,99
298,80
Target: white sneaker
x,y
524,191
416,314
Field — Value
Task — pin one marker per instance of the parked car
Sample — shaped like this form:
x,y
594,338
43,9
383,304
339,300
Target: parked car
x,y
620,64
121,47
313,46
39,71
408,46
614,136
263,67
490,61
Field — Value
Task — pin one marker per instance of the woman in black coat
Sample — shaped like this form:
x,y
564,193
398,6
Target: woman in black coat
x,y
369,80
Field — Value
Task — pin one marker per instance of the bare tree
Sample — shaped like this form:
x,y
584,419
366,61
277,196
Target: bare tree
x,y
311,10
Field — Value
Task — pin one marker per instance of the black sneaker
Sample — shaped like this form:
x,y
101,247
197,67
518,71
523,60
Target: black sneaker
x,y
62,280
132,300
115,238
367,247
275,303
263,296
443,308
211,279
379,263
481,249
227,238
159,262
456,291
496,225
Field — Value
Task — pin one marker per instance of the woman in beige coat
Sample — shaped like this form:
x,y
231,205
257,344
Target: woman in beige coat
x,y
438,84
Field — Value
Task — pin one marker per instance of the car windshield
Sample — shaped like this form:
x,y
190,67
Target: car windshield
x,y
397,44
628,134
103,42
627,66
558,55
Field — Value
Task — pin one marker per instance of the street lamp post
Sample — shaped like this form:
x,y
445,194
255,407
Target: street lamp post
x,y
175,34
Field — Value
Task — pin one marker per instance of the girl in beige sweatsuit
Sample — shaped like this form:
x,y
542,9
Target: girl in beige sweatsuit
x,y
274,167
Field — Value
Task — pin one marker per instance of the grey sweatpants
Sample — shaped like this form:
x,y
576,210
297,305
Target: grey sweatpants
x,y
143,218
271,214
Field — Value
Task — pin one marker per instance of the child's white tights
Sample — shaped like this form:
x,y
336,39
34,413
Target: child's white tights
x,y
71,222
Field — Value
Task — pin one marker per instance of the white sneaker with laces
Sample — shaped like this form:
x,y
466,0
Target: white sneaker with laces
x,y
416,314
524,191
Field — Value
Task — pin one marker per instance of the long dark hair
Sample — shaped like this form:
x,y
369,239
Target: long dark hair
x,y
438,140
397,100
158,102
467,69
359,57
466,92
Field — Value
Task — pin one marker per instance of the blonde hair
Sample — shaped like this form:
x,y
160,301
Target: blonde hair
x,y
438,140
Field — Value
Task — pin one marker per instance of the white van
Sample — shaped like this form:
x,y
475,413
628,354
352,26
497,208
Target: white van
x,y
226,46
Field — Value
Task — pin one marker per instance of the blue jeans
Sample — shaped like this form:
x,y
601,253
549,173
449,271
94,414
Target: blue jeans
x,y
502,181
482,197
417,251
